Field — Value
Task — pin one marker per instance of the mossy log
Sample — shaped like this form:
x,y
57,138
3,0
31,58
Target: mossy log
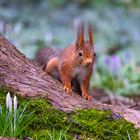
x,y
25,78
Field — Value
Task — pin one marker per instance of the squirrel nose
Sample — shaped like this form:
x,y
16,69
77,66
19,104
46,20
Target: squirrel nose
x,y
88,61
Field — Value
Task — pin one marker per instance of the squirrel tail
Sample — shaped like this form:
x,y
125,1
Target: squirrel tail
x,y
44,55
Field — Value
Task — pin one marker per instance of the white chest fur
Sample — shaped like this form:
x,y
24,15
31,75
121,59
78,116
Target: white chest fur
x,y
79,73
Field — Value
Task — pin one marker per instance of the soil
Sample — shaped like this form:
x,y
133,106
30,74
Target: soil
x,y
101,96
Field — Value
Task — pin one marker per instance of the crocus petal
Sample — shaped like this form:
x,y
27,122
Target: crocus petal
x,y
115,65
15,103
7,99
10,105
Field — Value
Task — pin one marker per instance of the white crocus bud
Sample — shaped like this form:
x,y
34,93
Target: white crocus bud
x,y
15,103
10,105
8,100
15,109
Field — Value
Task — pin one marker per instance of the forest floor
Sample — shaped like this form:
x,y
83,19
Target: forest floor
x,y
101,96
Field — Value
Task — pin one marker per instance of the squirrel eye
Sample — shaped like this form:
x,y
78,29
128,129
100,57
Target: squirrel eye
x,y
94,54
80,53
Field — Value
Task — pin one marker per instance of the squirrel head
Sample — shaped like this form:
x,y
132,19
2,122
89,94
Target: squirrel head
x,y
84,49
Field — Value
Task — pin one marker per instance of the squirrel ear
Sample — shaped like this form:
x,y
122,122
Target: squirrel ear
x,y
90,30
80,36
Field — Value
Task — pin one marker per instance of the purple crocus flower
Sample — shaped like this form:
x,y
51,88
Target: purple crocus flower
x,y
107,61
113,64
127,56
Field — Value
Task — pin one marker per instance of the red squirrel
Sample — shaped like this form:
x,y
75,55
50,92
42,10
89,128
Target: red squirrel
x,y
73,65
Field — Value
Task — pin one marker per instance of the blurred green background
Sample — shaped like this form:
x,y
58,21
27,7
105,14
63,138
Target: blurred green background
x,y
31,25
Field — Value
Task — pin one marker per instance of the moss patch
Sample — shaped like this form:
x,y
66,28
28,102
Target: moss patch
x,y
83,124
105,125
3,93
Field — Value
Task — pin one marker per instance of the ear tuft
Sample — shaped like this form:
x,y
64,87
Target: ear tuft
x,y
90,31
80,35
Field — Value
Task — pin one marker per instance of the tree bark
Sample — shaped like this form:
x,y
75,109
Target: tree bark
x,y
25,78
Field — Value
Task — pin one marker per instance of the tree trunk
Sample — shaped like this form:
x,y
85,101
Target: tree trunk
x,y
25,78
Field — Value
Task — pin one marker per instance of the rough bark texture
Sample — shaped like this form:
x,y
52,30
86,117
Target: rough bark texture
x,y
28,80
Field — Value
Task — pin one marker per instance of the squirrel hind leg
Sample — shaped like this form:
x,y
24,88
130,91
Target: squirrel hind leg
x,y
52,68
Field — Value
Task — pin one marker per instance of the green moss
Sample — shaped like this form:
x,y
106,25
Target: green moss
x,y
90,123
93,124
46,115
102,125
3,93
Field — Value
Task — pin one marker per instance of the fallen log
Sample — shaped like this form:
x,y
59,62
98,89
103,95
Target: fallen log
x,y
25,78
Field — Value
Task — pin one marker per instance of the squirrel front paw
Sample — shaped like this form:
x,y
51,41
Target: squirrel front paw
x,y
68,90
87,97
